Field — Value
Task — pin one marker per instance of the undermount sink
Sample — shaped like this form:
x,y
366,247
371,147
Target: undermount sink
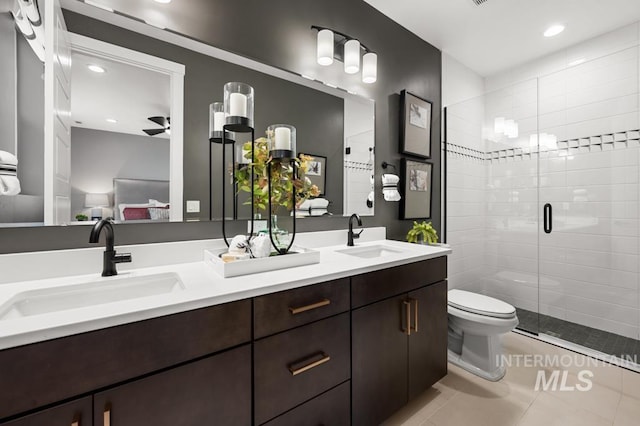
x,y
91,293
368,252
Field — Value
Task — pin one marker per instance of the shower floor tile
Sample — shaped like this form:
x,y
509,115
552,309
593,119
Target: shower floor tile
x,y
592,338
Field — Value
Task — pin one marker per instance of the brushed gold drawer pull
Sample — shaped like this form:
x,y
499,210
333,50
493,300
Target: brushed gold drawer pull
x,y
301,309
307,367
415,314
106,417
407,306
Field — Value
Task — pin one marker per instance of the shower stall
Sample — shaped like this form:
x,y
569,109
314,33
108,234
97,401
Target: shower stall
x,y
542,203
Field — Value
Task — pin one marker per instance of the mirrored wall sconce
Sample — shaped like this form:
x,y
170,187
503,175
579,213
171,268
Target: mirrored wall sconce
x,y
332,44
390,184
96,202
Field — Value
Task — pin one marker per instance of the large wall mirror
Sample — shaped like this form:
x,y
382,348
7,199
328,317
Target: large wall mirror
x,y
138,124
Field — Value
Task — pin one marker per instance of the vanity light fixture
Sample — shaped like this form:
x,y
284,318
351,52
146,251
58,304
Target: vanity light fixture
x,y
28,20
554,30
96,68
332,44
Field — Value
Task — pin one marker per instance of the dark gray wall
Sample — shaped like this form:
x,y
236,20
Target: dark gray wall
x,y
98,156
277,32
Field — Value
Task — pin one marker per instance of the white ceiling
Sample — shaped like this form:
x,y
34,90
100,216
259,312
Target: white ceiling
x,y
500,34
126,93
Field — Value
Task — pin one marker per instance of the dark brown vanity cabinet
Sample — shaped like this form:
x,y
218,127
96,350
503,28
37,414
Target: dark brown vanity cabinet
x,y
311,356
76,413
212,391
399,343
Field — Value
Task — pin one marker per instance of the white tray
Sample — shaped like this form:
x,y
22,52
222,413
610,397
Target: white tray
x,y
297,257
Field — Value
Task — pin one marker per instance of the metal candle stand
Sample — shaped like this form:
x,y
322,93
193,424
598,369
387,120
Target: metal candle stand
x,y
280,155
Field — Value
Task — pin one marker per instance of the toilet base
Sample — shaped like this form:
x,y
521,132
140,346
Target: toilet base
x,y
493,376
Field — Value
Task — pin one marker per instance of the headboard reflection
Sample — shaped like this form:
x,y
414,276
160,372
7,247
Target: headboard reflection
x,y
138,193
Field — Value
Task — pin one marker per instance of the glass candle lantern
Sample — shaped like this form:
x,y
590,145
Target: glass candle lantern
x,y
282,140
238,106
216,119
242,155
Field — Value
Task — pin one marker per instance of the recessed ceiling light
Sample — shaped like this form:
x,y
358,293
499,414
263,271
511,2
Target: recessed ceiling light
x,y
96,68
112,120
162,1
554,30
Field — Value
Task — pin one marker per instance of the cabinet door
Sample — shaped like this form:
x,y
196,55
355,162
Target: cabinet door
x,y
212,391
75,413
379,360
427,344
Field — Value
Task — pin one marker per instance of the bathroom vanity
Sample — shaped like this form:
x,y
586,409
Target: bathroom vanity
x,y
347,341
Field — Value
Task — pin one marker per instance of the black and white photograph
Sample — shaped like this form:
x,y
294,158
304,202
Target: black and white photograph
x,y
415,125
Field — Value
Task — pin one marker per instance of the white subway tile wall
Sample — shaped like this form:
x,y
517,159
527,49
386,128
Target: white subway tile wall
x,y
586,120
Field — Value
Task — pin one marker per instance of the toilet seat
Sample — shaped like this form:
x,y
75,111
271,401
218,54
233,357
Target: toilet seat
x,y
480,304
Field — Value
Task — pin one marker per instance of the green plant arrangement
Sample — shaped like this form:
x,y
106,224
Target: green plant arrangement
x,y
422,233
82,217
282,183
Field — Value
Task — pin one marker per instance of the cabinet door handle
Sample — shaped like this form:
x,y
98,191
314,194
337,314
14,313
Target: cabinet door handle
x,y
548,218
407,307
301,309
415,314
313,364
106,415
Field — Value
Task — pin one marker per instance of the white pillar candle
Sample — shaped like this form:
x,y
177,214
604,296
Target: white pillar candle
x,y
218,121
283,138
237,105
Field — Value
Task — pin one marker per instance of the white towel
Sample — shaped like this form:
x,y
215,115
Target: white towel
x,y
9,185
8,158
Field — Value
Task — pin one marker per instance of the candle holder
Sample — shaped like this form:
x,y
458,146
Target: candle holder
x,y
282,141
282,150
216,130
238,107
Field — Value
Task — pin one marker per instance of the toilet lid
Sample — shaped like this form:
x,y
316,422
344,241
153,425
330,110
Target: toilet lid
x,y
480,304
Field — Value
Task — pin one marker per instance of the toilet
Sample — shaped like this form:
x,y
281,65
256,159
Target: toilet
x,y
476,325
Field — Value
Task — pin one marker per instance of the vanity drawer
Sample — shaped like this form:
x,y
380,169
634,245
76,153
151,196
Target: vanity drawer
x,y
332,408
374,286
281,311
295,366
43,373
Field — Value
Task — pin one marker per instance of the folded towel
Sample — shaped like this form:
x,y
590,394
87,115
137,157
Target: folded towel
x,y
8,158
319,203
9,185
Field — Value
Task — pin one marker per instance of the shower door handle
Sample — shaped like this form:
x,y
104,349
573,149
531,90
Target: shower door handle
x,y
548,218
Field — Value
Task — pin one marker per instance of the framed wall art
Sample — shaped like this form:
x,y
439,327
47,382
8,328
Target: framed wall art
x,y
317,172
415,125
416,185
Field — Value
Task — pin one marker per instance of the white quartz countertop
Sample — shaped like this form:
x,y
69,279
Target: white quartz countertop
x,y
202,287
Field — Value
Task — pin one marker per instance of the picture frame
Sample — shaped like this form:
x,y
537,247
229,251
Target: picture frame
x,y
415,125
317,172
416,185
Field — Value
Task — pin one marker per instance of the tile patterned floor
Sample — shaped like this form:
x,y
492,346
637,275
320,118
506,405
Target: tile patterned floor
x,y
462,399
603,341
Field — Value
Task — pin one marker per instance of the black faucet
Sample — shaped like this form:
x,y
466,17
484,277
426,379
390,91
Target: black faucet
x,y
110,256
351,235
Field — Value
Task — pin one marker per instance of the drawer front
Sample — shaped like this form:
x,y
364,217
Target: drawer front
x,y
32,375
281,311
332,408
374,286
295,366
75,413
